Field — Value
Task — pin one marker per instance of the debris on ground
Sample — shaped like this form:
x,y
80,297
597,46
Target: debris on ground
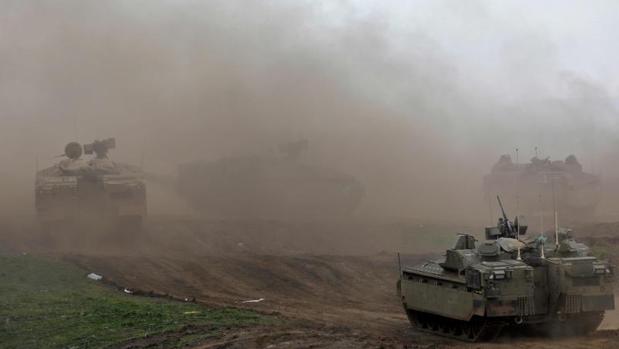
x,y
95,277
253,301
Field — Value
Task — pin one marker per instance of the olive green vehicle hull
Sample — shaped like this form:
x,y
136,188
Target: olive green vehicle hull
x,y
554,295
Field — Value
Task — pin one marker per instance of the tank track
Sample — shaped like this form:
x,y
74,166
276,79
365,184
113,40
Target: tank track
x,y
478,329
483,329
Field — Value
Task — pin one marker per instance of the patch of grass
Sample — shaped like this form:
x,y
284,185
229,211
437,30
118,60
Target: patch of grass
x,y
51,304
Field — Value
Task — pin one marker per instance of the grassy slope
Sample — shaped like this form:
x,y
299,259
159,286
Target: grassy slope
x,y
51,304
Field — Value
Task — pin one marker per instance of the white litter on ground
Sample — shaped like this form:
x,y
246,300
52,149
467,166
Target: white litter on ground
x,y
254,301
96,277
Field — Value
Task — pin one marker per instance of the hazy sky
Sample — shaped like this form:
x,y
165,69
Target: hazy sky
x,y
405,94
573,35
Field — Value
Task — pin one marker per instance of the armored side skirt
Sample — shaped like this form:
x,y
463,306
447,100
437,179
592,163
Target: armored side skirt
x,y
454,301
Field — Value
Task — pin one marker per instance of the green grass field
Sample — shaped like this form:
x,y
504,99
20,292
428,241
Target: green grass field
x,y
50,304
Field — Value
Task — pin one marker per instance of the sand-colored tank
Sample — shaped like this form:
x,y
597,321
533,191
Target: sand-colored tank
x,y
96,193
277,187
537,188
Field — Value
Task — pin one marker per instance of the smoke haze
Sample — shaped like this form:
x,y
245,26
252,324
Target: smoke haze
x,y
417,99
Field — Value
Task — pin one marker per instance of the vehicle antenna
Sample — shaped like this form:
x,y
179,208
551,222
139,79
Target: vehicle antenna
x,y
490,215
541,214
541,204
517,205
517,190
400,265
554,205
541,217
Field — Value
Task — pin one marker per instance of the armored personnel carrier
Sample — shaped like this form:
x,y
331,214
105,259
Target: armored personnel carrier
x,y
98,192
538,188
479,288
268,187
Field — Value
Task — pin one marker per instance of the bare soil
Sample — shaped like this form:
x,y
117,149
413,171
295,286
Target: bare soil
x,y
327,295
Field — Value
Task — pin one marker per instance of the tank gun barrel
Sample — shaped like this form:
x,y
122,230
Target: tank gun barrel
x,y
508,225
501,206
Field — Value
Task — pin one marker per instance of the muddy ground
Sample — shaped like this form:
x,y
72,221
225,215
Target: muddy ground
x,y
333,283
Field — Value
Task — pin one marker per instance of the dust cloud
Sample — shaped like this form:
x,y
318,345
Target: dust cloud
x,y
416,99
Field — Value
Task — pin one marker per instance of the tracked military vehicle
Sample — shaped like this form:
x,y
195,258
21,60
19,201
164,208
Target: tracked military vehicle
x,y
535,186
269,187
90,194
480,287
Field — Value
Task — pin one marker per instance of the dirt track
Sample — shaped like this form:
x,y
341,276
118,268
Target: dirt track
x,y
328,301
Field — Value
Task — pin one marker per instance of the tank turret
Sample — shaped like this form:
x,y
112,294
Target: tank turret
x,y
97,192
274,186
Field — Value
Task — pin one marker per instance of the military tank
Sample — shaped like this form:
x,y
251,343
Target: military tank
x,y
270,187
480,287
542,186
94,193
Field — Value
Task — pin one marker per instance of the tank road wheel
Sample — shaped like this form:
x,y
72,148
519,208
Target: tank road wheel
x,y
468,332
491,331
476,329
448,326
458,329
480,329
435,323
445,328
